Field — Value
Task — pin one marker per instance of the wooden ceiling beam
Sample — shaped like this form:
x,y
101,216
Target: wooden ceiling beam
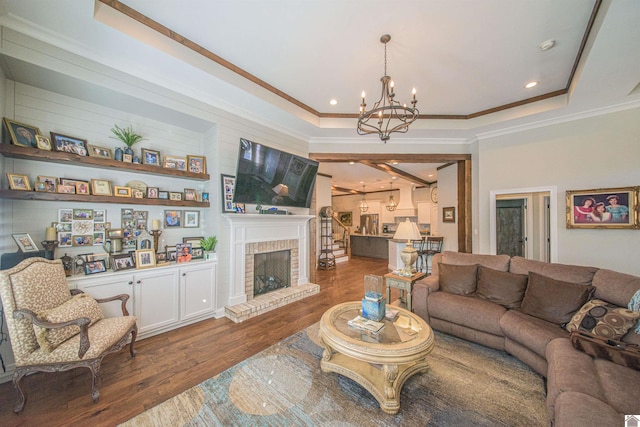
x,y
395,172
388,158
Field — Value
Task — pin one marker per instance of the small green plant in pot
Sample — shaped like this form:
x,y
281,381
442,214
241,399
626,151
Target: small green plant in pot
x,y
127,136
208,244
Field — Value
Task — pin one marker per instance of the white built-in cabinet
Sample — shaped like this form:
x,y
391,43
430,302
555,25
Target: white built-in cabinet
x,y
162,298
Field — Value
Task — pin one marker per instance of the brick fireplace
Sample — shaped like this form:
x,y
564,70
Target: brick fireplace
x,y
260,234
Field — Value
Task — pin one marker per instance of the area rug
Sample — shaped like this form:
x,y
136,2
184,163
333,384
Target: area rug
x,y
467,385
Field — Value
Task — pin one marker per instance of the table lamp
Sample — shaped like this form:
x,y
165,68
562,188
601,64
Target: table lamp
x,y
408,231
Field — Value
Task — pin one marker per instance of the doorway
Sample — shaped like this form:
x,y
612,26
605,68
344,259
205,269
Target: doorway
x,y
540,221
511,234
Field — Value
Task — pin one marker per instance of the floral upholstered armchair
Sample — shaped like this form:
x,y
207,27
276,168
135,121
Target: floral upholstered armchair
x,y
55,329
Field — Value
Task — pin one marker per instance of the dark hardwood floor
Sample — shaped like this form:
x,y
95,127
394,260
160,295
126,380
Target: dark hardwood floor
x,y
172,362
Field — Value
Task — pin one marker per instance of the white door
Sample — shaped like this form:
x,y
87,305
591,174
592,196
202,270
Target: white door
x,y
197,290
156,298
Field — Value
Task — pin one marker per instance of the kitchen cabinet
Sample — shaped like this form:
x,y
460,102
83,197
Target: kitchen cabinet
x,y
197,290
424,213
162,298
369,246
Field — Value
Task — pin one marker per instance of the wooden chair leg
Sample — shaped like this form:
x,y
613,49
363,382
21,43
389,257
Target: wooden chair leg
x,y
18,374
134,335
95,379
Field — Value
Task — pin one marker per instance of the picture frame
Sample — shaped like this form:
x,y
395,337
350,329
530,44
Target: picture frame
x,y
197,164
99,215
172,219
240,208
161,258
145,258
101,187
25,242
83,214
190,194
175,196
21,134
100,152
449,214
163,195
71,181
69,144
64,239
173,162
18,182
603,208
137,194
82,188
50,183
195,241
65,215
346,218
150,157
122,262
152,193
183,252
191,219
197,253
40,187
96,266
67,189
127,158
82,240
119,191
171,253
228,183
43,143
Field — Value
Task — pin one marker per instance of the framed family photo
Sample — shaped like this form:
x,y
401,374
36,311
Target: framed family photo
x,y
21,134
25,242
197,164
101,152
150,157
603,208
69,144
228,184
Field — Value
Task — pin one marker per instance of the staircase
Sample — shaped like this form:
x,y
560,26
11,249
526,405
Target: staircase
x,y
341,240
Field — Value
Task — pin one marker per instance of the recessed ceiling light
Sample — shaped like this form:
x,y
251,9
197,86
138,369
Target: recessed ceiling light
x,y
395,163
333,102
352,163
531,84
430,175
393,177
547,44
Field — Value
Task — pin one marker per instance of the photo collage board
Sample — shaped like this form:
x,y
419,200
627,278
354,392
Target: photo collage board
x,y
81,227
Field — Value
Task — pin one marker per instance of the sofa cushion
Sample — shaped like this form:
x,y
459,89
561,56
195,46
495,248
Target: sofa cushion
x,y
501,287
603,319
553,300
569,370
466,311
497,262
578,409
564,272
458,279
614,287
620,386
81,305
529,331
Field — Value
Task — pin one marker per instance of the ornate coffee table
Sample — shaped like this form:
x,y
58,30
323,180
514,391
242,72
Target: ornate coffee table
x,y
382,362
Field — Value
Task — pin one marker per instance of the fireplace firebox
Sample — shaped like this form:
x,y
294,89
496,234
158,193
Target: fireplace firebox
x,y
271,271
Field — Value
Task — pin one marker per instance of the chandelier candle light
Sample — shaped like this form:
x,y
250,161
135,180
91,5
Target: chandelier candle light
x,y
387,114
391,204
408,231
363,203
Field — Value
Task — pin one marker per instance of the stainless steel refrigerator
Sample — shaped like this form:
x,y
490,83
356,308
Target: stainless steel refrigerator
x,y
369,224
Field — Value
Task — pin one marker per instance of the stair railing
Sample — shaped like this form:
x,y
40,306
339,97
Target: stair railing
x,y
342,235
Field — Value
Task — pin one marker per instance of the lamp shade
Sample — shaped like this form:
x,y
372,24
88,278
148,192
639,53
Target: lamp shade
x,y
407,230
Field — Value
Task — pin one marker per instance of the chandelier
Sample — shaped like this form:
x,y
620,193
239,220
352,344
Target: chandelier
x,y
363,203
391,204
387,114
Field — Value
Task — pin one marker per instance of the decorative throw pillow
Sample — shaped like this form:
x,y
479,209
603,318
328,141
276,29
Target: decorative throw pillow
x,y
501,287
553,300
603,319
458,279
81,305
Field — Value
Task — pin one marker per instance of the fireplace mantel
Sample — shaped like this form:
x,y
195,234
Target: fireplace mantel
x,y
251,228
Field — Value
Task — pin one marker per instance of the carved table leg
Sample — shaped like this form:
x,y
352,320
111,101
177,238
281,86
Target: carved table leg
x,y
390,376
328,352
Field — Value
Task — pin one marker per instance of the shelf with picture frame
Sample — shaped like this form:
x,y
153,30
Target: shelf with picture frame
x,y
36,154
63,197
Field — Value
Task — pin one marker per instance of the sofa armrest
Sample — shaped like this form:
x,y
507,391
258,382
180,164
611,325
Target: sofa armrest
x,y
420,295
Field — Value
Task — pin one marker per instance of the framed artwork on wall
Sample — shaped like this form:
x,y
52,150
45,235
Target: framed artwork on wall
x,y
603,208
228,184
345,218
449,214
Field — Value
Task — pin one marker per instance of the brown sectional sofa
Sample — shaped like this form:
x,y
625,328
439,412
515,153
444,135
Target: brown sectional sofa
x,y
581,390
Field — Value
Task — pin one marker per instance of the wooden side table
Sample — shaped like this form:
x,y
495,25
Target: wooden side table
x,y
404,283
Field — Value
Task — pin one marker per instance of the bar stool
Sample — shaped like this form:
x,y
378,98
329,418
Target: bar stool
x,y
420,246
433,245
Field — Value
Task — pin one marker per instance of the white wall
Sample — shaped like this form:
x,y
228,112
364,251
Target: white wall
x,y
448,197
594,152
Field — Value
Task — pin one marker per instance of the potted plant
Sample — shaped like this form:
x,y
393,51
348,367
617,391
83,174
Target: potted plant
x,y
126,135
208,244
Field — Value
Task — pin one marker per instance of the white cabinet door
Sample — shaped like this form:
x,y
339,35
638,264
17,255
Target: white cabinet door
x,y
156,299
197,290
424,213
106,287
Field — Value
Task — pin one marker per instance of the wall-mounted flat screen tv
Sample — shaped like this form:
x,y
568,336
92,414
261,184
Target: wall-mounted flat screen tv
x,y
267,176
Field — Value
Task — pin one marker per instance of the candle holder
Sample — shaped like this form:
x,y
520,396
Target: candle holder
x,y
49,246
156,235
